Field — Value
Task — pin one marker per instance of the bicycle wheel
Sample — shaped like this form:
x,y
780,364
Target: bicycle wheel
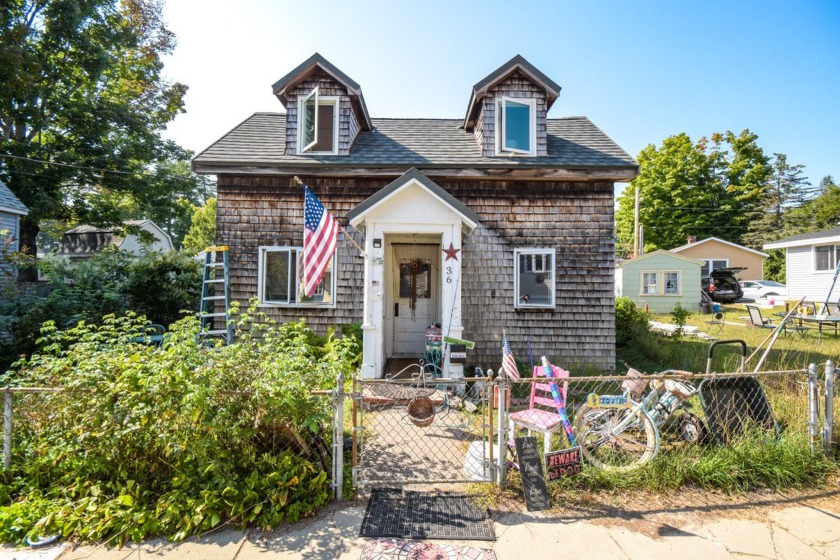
x,y
617,439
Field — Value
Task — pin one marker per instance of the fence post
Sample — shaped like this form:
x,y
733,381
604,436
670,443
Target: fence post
x,y
828,428
813,404
338,438
7,430
501,436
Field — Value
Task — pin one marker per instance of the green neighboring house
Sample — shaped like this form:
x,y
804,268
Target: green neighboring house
x,y
660,280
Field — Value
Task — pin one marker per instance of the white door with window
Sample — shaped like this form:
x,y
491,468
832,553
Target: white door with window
x,y
416,277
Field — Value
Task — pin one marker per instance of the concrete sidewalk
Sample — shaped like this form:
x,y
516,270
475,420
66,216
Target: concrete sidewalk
x,y
778,528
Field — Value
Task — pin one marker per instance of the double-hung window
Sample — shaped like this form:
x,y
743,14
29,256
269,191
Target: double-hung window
x,y
825,258
649,283
534,278
280,279
318,123
713,264
665,283
516,126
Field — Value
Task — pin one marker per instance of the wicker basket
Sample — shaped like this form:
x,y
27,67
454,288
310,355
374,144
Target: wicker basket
x,y
421,411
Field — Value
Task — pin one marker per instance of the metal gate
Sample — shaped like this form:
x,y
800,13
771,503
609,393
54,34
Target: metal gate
x,y
432,431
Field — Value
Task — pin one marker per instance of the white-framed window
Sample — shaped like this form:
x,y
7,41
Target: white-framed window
x,y
280,282
713,264
534,278
825,257
671,281
650,283
318,124
516,126
661,283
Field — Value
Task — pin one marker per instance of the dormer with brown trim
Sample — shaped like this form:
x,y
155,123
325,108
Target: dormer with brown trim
x,y
507,110
325,109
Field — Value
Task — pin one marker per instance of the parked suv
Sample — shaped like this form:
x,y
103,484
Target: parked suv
x,y
722,286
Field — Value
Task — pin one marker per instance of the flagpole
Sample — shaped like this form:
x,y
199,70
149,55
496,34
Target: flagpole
x,y
344,231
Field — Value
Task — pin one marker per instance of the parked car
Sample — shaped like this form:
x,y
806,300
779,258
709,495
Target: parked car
x,y
763,289
722,286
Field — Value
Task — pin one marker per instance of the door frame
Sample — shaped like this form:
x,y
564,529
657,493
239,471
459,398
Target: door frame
x,y
392,278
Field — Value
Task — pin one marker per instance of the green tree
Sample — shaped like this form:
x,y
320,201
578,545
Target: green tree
x,y
203,229
688,189
786,189
822,212
82,105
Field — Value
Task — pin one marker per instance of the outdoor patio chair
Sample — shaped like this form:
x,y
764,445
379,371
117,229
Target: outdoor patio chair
x,y
759,321
717,322
541,414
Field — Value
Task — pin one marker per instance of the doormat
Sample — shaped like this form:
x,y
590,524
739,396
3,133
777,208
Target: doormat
x,y
396,549
416,515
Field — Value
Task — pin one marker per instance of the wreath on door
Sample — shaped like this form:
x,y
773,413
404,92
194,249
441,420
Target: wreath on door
x,y
416,267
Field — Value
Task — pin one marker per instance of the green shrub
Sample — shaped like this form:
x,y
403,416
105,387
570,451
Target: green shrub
x,y
157,285
174,440
631,322
679,315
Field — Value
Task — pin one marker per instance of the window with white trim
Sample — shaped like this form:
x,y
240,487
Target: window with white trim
x,y
280,282
516,126
713,264
825,257
534,278
649,283
318,124
661,283
671,282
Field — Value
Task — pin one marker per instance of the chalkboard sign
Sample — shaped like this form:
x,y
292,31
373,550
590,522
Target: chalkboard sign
x,y
531,469
566,462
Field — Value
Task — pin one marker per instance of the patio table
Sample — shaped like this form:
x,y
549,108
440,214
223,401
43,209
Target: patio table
x,y
819,320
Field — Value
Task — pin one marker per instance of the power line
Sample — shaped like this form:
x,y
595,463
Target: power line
x,y
132,174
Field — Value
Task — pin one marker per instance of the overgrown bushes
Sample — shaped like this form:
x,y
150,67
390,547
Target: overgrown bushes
x,y
630,321
157,285
174,440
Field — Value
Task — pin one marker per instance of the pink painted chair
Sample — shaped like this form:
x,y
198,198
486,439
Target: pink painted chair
x,y
541,414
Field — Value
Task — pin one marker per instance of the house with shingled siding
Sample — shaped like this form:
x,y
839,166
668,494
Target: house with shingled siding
x,y
498,221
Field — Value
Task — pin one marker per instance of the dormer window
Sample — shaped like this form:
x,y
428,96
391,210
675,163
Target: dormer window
x,y
516,126
318,129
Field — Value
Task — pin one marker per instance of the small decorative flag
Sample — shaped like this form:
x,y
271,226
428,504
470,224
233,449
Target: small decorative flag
x,y
508,362
320,236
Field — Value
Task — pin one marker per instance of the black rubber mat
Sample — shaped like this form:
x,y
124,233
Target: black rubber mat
x,y
418,515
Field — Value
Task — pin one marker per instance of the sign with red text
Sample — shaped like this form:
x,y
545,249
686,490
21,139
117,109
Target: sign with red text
x,y
566,462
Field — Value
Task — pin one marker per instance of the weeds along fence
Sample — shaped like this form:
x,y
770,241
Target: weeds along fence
x,y
696,416
36,417
622,422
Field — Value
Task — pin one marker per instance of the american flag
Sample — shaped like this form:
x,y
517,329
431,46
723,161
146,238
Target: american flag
x,y
508,363
320,236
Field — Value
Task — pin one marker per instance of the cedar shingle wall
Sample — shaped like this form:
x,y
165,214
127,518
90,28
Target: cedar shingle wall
x,y
517,85
327,87
574,218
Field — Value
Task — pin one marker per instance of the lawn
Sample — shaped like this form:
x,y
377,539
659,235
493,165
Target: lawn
x,y
790,351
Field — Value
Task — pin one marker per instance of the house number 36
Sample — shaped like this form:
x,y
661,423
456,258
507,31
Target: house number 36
x,y
448,274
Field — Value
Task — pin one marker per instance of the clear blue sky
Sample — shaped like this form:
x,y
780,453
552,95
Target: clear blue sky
x,y
641,71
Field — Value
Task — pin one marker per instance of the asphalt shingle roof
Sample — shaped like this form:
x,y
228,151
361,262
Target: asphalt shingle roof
x,y
260,140
9,201
831,232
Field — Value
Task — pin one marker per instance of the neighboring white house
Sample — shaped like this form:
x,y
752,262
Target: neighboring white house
x,y
11,210
811,259
83,241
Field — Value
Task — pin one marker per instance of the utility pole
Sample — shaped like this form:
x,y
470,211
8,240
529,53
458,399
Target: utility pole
x,y
636,226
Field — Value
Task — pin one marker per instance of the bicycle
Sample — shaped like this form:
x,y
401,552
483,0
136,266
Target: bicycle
x,y
622,432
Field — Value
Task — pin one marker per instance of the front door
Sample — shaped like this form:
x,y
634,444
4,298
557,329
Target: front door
x,y
416,276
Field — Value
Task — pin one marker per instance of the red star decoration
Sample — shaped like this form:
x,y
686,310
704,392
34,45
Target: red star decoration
x,y
451,253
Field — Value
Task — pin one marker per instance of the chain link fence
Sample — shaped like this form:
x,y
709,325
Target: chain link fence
x,y
431,430
450,430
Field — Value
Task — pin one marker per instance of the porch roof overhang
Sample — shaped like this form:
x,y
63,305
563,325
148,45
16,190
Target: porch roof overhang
x,y
357,215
